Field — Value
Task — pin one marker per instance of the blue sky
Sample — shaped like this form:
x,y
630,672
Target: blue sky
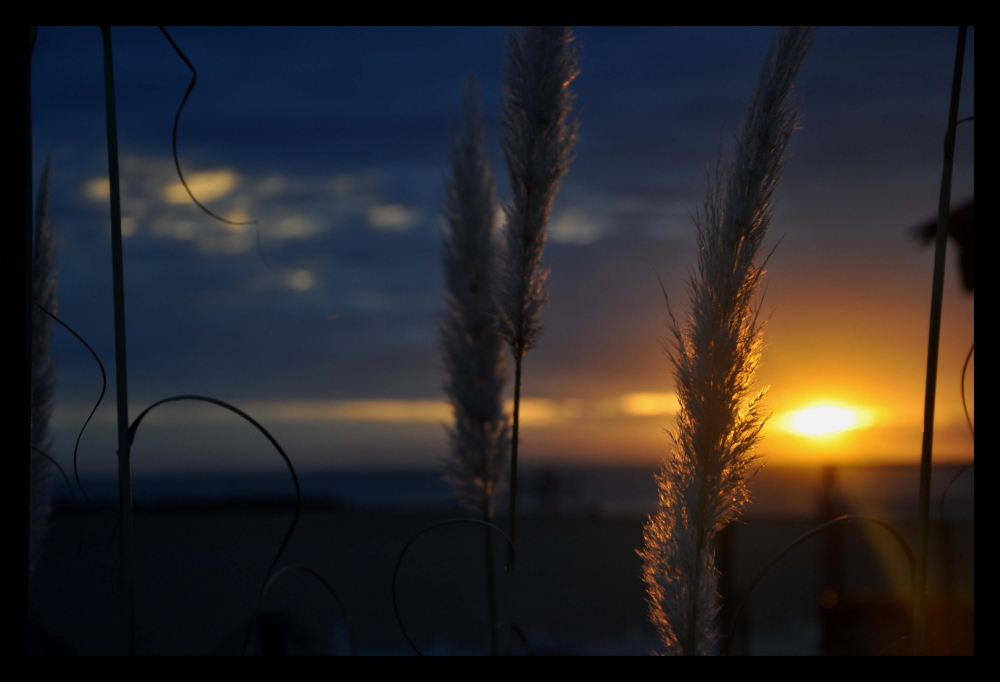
x,y
336,139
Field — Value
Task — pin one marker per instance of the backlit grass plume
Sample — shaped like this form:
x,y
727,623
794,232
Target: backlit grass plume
x,y
703,486
470,340
538,136
43,368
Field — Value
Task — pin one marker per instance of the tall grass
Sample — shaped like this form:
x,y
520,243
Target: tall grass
x,y
43,367
127,547
538,137
471,346
715,355
934,336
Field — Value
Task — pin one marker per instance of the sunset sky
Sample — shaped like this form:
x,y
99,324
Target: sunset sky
x,y
336,139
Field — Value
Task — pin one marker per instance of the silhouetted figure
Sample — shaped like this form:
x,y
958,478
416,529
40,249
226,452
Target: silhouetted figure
x,y
960,229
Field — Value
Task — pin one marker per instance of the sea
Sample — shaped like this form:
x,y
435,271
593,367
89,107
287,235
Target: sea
x,y
558,489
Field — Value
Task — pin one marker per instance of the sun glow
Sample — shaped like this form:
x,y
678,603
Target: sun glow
x,y
824,420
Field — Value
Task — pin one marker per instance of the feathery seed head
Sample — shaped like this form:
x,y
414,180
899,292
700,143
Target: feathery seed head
x,y
43,367
538,138
715,357
470,342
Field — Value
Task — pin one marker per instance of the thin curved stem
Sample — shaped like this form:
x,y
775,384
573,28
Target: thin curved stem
x,y
285,569
57,466
406,547
516,629
295,479
884,651
104,387
950,483
965,407
177,163
840,520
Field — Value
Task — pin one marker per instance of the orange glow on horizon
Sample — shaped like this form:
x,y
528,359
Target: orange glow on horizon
x,y
826,420
647,404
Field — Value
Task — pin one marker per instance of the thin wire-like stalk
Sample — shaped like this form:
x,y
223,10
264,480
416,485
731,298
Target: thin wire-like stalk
x,y
121,375
62,472
406,547
326,585
104,387
937,300
131,432
961,387
839,521
177,163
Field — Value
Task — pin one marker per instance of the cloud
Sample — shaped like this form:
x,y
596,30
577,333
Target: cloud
x,y
205,186
393,217
155,205
575,226
301,280
295,227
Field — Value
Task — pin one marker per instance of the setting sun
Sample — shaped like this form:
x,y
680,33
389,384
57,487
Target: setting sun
x,y
822,420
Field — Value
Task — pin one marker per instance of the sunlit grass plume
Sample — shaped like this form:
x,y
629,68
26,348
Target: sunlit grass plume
x,y
715,355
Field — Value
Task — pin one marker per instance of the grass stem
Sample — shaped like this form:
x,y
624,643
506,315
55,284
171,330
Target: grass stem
x,y
491,585
121,375
512,504
937,299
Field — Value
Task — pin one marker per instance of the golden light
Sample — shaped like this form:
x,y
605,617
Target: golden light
x,y
389,411
824,420
544,411
205,186
97,189
647,404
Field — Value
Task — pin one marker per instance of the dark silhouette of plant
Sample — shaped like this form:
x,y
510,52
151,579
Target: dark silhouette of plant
x,y
538,138
937,300
471,347
43,367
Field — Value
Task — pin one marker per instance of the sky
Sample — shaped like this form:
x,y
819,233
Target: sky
x,y
337,141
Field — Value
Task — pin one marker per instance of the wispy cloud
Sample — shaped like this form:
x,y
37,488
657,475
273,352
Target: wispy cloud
x,y
155,204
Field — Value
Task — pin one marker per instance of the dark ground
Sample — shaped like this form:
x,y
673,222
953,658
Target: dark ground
x,y
578,588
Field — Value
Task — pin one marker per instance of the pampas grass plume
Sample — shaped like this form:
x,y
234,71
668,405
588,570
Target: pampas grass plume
x,y
703,486
43,368
538,137
471,346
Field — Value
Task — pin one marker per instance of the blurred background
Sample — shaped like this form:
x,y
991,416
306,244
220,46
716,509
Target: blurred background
x,y
336,140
